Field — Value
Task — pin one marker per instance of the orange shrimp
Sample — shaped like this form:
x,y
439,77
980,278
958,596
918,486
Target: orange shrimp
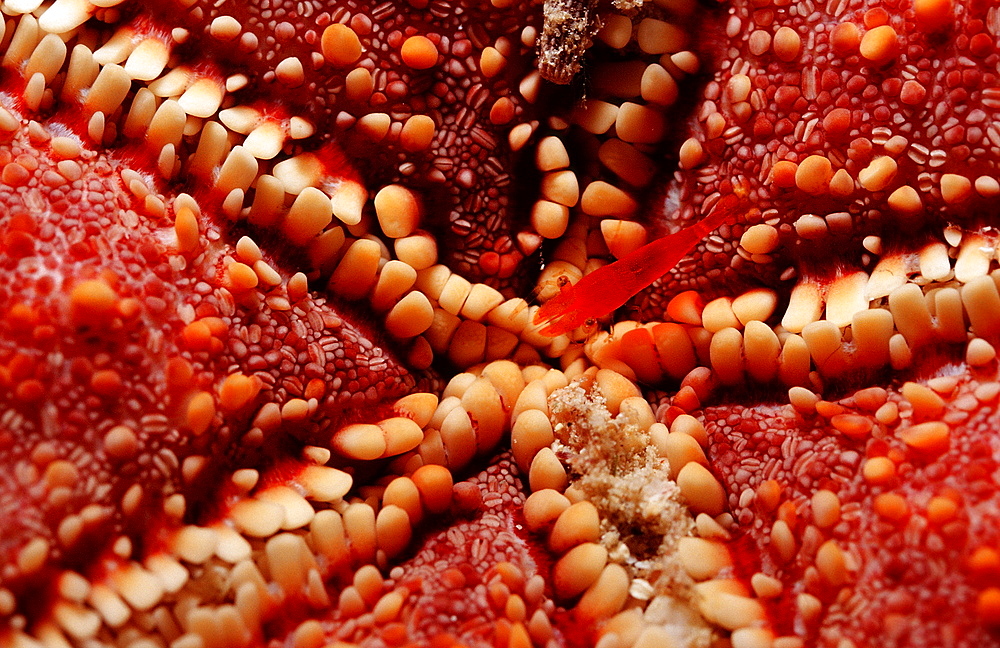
x,y
609,287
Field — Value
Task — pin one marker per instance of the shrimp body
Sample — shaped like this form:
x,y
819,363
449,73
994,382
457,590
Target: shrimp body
x,y
609,287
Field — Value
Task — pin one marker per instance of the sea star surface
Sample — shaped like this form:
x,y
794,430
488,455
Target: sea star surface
x,y
273,369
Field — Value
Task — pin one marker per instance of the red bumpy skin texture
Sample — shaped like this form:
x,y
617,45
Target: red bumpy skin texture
x,y
267,330
854,120
460,164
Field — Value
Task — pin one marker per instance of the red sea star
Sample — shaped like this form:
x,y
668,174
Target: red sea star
x,y
834,128
207,448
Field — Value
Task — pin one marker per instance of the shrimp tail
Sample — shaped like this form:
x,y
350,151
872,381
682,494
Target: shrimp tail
x,y
610,287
